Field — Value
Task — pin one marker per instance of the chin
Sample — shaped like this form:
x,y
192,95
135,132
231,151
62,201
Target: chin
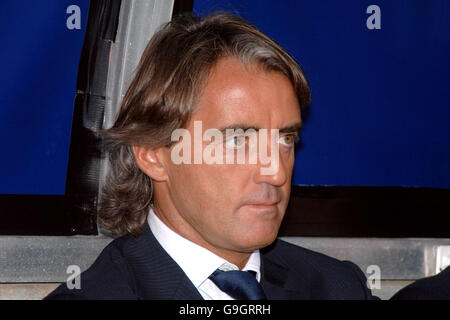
x,y
260,240
269,240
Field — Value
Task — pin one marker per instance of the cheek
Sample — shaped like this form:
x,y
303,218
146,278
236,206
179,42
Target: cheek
x,y
205,187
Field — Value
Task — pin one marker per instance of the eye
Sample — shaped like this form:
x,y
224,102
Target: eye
x,y
235,142
289,140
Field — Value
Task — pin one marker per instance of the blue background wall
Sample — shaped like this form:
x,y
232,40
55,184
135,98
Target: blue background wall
x,y
380,112
39,63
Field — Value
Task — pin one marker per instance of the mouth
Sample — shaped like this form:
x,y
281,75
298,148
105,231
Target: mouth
x,y
264,203
265,207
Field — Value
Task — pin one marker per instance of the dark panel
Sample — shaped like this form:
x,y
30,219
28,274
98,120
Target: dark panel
x,y
367,212
34,215
392,212
181,6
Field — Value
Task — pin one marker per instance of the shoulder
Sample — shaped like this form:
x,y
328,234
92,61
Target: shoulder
x,y
108,277
329,278
431,288
296,255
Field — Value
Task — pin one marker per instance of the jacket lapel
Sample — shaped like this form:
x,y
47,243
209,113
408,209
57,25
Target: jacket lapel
x,y
280,282
273,279
157,276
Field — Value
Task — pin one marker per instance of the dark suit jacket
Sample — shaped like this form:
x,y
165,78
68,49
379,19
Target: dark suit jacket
x,y
432,288
139,268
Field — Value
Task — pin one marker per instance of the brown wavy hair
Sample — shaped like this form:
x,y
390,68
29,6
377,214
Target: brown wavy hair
x,y
162,95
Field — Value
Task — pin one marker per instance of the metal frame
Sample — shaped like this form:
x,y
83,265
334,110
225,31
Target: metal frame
x,y
398,259
46,259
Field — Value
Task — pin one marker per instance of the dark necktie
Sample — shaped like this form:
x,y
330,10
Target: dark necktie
x,y
240,285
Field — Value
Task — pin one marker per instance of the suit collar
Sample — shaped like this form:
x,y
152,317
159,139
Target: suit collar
x,y
156,275
274,279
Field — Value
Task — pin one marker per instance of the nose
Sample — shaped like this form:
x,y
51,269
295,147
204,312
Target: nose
x,y
275,172
276,176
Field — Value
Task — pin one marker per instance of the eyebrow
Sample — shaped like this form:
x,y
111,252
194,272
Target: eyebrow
x,y
296,127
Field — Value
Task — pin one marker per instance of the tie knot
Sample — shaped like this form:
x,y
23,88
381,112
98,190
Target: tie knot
x,y
240,285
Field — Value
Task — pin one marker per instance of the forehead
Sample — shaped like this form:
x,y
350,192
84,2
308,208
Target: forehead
x,y
235,93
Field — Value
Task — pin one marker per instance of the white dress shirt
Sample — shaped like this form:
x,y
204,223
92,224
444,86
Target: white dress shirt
x,y
197,262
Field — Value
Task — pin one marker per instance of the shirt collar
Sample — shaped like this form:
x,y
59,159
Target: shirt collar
x,y
197,262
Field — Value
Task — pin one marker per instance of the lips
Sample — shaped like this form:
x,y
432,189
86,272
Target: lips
x,y
264,210
264,204
263,200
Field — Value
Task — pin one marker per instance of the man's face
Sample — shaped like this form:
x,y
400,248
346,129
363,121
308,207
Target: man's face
x,y
234,207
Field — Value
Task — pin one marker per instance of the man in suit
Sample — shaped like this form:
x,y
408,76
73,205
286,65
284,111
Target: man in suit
x,y
198,213
436,287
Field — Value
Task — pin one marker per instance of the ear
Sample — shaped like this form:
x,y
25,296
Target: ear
x,y
149,161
